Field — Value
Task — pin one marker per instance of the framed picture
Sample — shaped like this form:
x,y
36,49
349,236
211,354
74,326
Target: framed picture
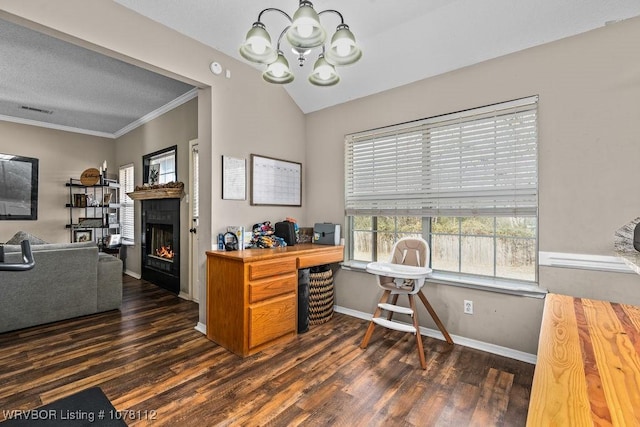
x,y
275,182
154,174
82,235
18,188
234,178
106,199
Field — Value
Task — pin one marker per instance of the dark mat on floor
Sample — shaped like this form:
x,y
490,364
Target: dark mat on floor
x,y
89,407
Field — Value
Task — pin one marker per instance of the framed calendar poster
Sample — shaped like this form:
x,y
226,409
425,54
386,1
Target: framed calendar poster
x,y
275,182
233,178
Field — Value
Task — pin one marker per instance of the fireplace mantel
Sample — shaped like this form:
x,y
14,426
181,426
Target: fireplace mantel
x,y
157,193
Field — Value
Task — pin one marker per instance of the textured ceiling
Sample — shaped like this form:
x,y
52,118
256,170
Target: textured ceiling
x,y
403,41
79,89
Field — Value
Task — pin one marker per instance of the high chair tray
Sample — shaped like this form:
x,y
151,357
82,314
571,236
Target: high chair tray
x,y
398,270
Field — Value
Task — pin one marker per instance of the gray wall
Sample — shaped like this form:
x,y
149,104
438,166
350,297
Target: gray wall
x,y
62,155
589,86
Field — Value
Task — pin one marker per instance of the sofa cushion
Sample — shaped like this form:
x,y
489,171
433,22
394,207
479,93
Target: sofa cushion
x,y
109,282
50,246
23,235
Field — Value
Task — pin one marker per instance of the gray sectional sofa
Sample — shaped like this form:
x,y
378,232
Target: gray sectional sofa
x,y
68,280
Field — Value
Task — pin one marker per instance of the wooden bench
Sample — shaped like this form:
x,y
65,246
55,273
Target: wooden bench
x,y
588,368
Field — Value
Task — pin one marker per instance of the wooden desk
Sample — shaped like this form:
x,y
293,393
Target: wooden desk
x,y
588,369
252,295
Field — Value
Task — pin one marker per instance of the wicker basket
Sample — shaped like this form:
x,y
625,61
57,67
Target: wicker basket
x,y
320,295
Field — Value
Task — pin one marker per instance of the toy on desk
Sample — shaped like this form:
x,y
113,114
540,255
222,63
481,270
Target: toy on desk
x,y
266,242
264,236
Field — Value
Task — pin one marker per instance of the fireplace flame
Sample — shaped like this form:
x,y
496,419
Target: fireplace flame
x,y
165,252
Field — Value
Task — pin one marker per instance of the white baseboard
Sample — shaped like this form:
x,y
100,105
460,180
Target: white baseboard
x,y
185,296
201,327
132,274
467,342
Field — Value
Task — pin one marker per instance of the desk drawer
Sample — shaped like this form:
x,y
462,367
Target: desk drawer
x,y
272,287
311,260
272,320
273,267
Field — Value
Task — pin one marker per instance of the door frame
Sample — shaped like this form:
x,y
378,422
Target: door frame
x,y
195,281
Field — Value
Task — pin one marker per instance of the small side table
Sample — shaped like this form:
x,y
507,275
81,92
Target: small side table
x,y
115,251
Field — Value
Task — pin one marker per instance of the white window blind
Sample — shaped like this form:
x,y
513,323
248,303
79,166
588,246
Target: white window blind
x,y
479,162
125,176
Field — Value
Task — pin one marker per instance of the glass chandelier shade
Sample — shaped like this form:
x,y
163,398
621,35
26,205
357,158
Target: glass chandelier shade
x,y
278,72
303,32
257,45
324,74
343,49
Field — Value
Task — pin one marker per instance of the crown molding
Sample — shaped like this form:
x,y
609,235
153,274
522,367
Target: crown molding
x,y
55,126
193,93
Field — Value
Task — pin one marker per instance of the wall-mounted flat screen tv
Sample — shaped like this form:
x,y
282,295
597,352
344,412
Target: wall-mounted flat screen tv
x,y
18,187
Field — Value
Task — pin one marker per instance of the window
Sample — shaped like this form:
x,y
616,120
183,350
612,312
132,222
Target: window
x,y
466,182
125,176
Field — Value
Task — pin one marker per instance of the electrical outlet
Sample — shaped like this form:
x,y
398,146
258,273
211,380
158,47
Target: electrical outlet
x,y
468,307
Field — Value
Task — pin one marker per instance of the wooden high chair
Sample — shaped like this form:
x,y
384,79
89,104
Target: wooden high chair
x,y
404,275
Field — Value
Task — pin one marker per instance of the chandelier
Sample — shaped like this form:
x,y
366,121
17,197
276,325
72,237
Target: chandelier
x,y
303,33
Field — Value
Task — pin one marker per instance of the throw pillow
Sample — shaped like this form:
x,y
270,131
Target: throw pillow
x,y
23,235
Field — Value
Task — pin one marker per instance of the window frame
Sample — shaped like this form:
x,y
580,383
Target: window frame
x,y
426,219
461,280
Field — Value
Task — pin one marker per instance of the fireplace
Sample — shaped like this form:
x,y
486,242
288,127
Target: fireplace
x,y
161,243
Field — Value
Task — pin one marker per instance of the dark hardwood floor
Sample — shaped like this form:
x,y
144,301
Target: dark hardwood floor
x,y
150,362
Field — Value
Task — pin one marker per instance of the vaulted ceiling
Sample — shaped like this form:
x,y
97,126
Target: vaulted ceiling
x,y
402,42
